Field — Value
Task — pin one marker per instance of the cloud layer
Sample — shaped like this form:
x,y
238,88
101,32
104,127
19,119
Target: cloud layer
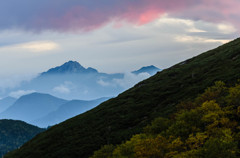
x,y
64,88
19,93
71,15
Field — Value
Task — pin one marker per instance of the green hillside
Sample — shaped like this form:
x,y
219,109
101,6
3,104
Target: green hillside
x,y
118,119
207,127
13,134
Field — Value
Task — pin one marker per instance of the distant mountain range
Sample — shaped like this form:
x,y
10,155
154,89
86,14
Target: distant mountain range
x,y
45,110
73,67
6,103
32,106
70,80
66,111
73,81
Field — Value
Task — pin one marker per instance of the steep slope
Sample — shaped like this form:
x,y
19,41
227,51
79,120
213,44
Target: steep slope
x,y
31,107
118,119
66,111
15,133
6,103
204,127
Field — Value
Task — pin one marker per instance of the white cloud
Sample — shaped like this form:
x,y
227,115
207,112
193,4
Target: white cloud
x,y
64,88
195,30
189,25
35,47
226,28
192,39
103,83
85,92
19,93
61,89
126,82
131,79
40,46
14,80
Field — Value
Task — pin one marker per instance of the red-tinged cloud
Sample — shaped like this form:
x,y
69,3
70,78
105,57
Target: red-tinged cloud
x,y
216,11
86,15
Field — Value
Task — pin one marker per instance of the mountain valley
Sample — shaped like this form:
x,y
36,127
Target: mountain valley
x,y
117,119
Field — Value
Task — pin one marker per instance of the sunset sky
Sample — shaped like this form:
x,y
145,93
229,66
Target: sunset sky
x,y
110,35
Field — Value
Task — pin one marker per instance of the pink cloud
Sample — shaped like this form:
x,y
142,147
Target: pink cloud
x,y
137,12
214,11
65,15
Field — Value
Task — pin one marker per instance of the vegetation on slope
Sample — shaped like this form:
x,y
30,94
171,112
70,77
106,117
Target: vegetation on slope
x,y
118,119
208,127
13,134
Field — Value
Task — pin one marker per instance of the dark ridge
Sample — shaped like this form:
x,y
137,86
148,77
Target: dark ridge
x,y
15,133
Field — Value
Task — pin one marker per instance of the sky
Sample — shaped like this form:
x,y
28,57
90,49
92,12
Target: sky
x,y
110,35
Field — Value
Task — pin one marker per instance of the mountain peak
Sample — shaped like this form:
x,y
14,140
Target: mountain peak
x,y
73,64
147,69
70,67
36,96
